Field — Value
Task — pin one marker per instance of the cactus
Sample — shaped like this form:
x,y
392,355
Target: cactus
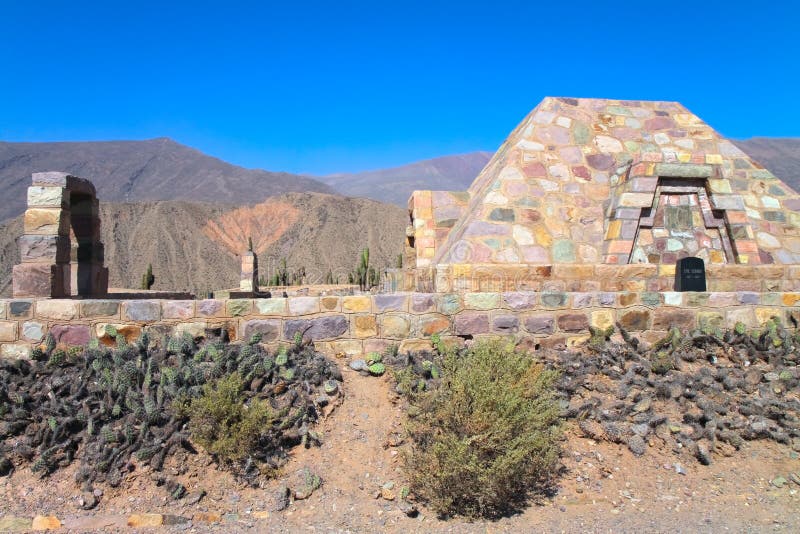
x,y
376,369
147,278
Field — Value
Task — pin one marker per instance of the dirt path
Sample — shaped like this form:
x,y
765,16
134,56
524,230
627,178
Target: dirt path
x,y
604,487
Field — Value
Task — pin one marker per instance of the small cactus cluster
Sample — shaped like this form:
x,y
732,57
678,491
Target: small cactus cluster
x,y
109,405
365,276
284,277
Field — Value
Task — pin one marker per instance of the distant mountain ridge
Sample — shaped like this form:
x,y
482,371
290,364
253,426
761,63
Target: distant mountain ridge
x,y
780,155
396,184
136,171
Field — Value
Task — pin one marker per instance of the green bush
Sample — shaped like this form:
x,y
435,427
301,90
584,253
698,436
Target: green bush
x,y
221,422
485,437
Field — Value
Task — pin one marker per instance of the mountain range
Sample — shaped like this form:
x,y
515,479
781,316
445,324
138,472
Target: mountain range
x,y
190,215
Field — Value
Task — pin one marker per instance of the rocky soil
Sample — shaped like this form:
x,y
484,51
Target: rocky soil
x,y
353,482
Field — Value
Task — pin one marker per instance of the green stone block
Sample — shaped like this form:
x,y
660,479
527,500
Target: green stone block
x,y
449,303
564,251
482,301
580,133
696,299
554,300
651,298
238,307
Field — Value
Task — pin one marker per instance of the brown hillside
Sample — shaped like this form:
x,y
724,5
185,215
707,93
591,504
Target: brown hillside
x,y
265,223
327,234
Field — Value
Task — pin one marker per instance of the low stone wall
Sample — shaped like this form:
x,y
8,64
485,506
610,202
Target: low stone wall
x,y
355,324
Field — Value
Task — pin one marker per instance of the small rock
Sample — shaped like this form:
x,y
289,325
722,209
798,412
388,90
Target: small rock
x,y
771,376
387,491
637,445
279,500
643,405
359,365
641,429
779,482
703,452
195,497
305,482
679,469
331,387
87,501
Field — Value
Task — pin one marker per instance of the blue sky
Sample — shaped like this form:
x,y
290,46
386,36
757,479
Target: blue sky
x,y
347,86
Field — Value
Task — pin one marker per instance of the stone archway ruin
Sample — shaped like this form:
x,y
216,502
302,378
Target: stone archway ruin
x,y
60,249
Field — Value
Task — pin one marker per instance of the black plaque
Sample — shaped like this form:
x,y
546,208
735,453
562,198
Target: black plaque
x,y
690,275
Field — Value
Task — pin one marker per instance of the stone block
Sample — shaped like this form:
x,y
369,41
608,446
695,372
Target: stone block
x,y
364,326
239,307
320,328
422,302
15,351
351,347
75,335
572,322
100,308
47,196
666,318
765,314
141,310
634,320
448,303
520,300
744,315
32,331
270,329
433,324
196,329
602,318
357,304
20,309
330,304
727,202
540,323
505,323
271,306
177,309
710,321
470,323
46,221
384,303
145,520
210,308
8,331
58,309
44,249
554,300
395,326
684,170
303,305
39,280
481,301
130,332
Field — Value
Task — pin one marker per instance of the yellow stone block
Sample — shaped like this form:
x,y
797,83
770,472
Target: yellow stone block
x,y
365,326
543,238
744,259
602,318
765,314
684,157
428,252
46,221
666,270
357,304
206,517
716,256
720,186
45,522
791,299
614,228
714,159
650,170
260,514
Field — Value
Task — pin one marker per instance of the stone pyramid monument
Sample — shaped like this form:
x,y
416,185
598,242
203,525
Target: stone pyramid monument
x,y
596,190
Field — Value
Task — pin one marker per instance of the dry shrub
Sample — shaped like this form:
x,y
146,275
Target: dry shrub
x,y
486,436
221,422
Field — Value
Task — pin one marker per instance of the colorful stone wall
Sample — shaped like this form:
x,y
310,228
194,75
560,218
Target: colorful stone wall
x,y
356,324
592,181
